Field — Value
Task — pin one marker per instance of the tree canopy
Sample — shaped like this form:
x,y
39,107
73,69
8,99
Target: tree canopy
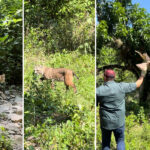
x,y
125,21
123,28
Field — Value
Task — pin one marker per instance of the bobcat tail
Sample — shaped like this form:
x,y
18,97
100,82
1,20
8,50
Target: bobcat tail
x,y
75,75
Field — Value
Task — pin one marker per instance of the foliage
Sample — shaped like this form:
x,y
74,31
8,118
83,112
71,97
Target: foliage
x,y
54,118
59,25
57,33
5,142
123,20
11,40
107,56
129,23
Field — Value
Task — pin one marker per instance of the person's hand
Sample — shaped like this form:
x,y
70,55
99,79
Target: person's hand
x,y
143,68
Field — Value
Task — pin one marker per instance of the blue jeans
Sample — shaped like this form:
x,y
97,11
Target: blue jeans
x,y
119,137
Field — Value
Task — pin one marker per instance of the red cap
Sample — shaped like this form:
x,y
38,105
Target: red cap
x,y
109,73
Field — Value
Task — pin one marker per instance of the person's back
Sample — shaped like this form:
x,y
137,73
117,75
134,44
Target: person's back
x,y
112,103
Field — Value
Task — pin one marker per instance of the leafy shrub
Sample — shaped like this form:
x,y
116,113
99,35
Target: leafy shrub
x,y
5,142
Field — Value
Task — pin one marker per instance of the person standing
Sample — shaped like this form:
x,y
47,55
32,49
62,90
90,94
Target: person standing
x,y
111,97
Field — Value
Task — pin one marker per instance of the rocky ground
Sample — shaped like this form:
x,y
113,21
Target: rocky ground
x,y
11,114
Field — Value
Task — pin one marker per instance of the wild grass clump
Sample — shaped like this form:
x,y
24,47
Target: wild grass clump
x,y
5,142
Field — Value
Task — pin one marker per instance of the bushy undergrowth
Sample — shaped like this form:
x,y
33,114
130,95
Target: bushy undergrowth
x,y
5,142
54,118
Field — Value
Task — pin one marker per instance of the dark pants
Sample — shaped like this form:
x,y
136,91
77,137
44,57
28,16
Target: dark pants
x,y
119,136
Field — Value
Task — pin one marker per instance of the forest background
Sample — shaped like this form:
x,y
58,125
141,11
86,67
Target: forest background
x,y
11,40
123,28
59,34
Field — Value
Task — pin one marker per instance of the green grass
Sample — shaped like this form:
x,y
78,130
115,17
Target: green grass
x,y
5,142
54,118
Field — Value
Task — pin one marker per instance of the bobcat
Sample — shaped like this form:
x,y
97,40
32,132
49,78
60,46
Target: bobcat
x,y
2,83
2,78
59,74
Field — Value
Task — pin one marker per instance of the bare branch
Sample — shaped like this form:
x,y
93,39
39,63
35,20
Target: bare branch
x,y
144,56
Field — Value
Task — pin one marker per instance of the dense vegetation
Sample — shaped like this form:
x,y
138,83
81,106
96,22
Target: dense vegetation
x,y
129,23
61,24
11,40
10,51
54,118
119,19
59,34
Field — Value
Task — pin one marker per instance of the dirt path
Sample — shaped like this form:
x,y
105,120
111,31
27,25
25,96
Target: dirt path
x,y
11,115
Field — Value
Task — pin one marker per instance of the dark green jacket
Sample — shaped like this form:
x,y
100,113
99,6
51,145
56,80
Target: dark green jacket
x,y
111,97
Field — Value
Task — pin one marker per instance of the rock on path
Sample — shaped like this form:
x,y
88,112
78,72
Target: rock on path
x,y
11,115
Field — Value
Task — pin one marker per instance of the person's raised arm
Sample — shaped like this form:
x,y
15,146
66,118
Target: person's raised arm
x,y
140,80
